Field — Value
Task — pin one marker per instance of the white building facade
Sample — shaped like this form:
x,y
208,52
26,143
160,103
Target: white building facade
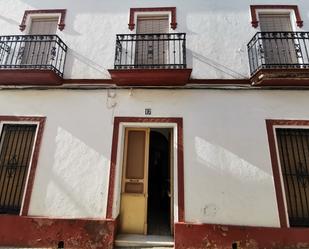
x,y
175,118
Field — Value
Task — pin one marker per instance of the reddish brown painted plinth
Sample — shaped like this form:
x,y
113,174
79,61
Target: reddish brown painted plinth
x,y
21,231
198,236
29,77
281,77
150,77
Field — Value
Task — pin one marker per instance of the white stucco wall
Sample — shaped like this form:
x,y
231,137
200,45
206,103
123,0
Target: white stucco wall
x,y
228,175
217,32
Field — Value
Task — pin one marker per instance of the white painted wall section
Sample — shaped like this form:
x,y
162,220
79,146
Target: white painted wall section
x,y
228,174
217,32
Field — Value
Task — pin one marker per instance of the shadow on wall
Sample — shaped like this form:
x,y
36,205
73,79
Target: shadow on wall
x,y
184,8
219,67
74,182
225,162
232,187
9,20
95,6
72,56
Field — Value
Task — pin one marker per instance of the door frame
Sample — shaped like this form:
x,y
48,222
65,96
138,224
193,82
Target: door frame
x,y
271,125
115,174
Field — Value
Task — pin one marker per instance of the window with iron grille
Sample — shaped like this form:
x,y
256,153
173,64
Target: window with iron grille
x,y
293,147
16,146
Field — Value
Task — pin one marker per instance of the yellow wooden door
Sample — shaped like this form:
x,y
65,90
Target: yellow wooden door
x,y
133,210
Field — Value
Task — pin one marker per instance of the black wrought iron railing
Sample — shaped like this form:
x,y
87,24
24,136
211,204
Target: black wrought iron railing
x,y
278,50
33,52
147,51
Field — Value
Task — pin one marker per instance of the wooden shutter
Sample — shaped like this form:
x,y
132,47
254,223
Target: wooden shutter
x,y
152,25
151,50
40,53
272,22
277,51
43,26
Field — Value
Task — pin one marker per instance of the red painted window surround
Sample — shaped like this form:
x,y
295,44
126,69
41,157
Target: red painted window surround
x,y
168,9
61,23
254,8
270,123
37,145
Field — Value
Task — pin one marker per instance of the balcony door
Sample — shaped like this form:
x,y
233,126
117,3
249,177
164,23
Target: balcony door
x,y
151,48
279,47
40,50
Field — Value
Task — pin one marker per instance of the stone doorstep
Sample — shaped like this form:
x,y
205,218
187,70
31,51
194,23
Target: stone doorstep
x,y
143,241
143,247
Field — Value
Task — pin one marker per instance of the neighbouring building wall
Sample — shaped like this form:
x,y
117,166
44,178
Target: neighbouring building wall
x,y
217,32
228,173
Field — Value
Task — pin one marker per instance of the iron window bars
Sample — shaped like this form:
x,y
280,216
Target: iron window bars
x,y
16,145
293,146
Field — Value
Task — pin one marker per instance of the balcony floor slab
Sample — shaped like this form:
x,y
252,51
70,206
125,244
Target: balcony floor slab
x,y
27,77
150,77
281,77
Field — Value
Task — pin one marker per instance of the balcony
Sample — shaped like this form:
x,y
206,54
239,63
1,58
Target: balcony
x,y
150,59
32,60
279,58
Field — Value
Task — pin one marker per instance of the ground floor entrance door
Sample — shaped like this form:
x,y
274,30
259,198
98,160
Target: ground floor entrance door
x,y
133,211
146,193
